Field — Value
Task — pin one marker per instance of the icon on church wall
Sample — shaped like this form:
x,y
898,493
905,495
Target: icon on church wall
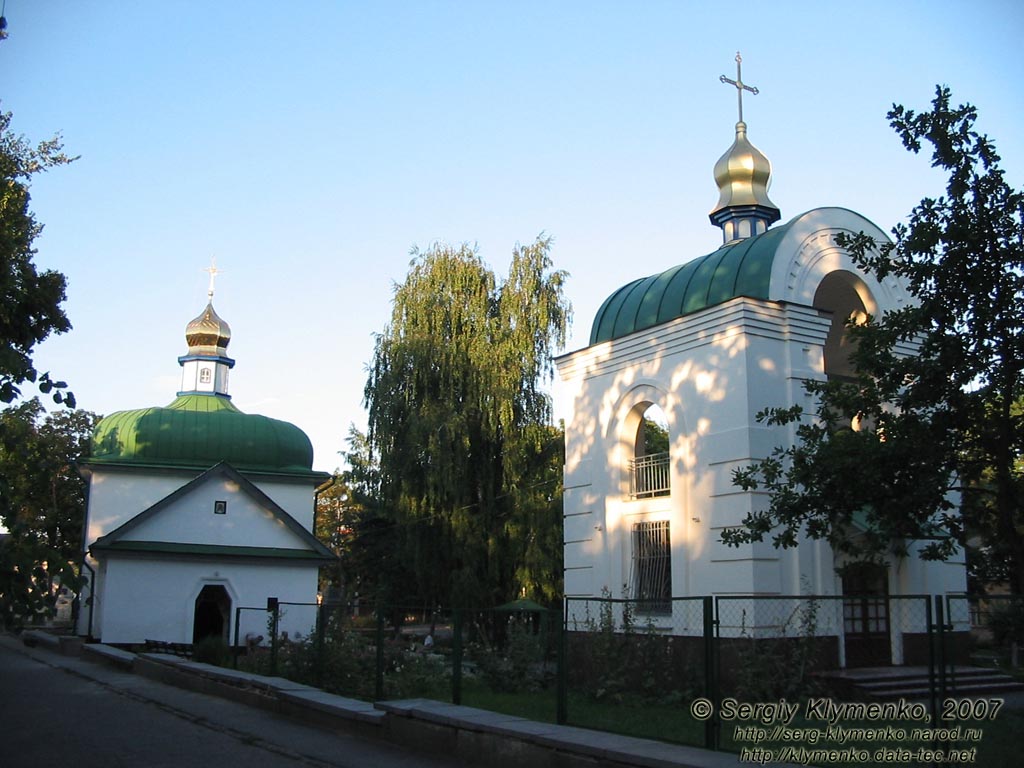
x,y
220,507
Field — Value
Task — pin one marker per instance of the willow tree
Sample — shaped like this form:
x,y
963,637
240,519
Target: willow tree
x,y
460,424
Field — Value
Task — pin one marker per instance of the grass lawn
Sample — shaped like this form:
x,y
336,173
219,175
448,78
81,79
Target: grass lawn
x,y
650,722
1001,744
1002,741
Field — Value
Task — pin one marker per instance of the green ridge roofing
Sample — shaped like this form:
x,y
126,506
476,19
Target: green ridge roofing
x,y
740,268
207,550
198,431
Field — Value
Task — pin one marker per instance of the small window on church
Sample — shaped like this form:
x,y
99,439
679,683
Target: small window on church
x,y
220,507
652,567
205,375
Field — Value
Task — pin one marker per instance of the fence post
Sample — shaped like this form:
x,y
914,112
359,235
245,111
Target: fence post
x,y
949,652
379,683
274,608
562,703
456,656
234,649
940,623
710,674
321,629
932,691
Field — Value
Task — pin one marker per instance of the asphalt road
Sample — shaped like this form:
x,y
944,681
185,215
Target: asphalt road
x,y
57,710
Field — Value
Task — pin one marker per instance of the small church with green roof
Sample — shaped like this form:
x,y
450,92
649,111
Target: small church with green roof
x,y
689,356
197,509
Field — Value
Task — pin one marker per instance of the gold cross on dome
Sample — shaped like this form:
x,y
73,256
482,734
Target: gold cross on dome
x,y
212,269
740,85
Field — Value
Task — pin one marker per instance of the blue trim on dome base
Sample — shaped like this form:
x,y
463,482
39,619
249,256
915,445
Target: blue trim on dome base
x,y
212,358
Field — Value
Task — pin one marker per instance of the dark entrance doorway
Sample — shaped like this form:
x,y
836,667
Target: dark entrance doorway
x,y
213,613
866,616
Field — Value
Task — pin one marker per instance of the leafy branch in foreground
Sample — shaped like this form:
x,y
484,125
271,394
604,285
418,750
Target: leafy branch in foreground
x,y
933,410
29,299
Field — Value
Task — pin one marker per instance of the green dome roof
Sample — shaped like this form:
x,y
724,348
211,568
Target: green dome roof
x,y
198,431
738,268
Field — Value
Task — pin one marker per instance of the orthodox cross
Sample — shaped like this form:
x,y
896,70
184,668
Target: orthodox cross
x,y
740,85
212,269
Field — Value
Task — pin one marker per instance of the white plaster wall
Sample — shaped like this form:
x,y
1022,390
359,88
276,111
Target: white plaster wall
x,y
155,599
808,253
710,374
191,520
116,497
294,497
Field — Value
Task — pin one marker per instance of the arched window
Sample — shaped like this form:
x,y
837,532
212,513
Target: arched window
x,y
846,297
649,468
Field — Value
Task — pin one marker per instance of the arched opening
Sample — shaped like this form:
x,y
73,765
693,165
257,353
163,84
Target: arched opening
x,y
212,613
847,297
649,468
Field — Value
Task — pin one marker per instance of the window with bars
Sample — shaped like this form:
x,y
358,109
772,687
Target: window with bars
x,y
652,567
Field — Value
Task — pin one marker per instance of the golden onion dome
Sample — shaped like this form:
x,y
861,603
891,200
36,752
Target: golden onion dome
x,y
743,174
208,334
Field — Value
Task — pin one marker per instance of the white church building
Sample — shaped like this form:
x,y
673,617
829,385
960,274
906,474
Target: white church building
x,y
196,510
699,350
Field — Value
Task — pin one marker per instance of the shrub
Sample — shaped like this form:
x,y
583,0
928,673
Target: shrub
x,y
212,650
776,667
520,666
1007,622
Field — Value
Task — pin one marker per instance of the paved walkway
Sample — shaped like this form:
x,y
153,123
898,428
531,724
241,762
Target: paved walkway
x,y
59,710
433,733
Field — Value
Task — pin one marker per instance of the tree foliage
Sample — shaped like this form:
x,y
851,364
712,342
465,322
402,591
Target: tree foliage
x,y
459,424
29,300
42,504
935,396
374,565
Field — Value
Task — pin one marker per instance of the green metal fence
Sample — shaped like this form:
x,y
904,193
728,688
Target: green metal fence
x,y
392,652
652,665
619,664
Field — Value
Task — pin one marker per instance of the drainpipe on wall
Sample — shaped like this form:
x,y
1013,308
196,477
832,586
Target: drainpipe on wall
x,y
76,606
92,594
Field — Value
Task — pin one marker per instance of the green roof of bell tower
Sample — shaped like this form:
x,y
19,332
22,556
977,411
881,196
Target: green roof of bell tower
x,y
739,268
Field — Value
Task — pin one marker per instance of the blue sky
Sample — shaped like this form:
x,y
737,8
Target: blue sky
x,y
310,145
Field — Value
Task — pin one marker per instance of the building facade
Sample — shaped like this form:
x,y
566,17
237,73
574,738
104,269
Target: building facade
x,y
694,353
196,510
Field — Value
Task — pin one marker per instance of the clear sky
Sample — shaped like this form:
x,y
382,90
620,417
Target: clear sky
x,y
309,145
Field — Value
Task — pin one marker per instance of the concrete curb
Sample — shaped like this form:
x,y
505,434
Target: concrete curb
x,y
66,645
